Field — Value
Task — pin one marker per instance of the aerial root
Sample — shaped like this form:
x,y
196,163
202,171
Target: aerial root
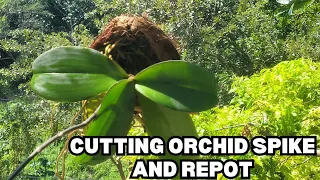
x,y
63,153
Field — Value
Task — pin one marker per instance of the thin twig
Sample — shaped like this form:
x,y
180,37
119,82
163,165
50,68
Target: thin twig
x,y
119,166
285,160
235,126
51,140
306,160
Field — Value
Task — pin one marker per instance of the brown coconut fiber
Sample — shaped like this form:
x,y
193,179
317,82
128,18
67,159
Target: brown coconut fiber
x,y
135,43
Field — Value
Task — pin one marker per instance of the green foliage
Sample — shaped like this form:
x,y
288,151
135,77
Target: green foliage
x,y
293,5
173,84
165,123
66,73
26,122
287,93
281,101
241,38
114,118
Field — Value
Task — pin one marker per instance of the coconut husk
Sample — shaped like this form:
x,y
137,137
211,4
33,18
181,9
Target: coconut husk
x,y
135,43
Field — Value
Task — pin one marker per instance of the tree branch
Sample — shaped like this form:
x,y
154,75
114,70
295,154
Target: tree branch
x,y
304,161
235,126
51,140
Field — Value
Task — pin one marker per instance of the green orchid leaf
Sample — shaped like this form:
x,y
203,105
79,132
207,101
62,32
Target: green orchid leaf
x,y
69,74
164,122
178,85
70,87
113,118
73,59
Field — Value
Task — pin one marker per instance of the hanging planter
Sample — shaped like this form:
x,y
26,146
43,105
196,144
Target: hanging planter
x,y
131,68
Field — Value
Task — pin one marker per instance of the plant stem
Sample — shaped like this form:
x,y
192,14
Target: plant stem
x,y
119,166
51,140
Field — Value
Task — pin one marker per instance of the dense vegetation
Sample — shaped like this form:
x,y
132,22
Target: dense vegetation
x,y
265,55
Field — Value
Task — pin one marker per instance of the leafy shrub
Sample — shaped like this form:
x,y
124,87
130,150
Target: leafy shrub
x,y
281,101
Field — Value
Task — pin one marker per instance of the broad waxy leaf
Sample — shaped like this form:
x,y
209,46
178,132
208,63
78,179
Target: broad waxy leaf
x,y
69,74
73,59
113,118
178,85
165,122
70,87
